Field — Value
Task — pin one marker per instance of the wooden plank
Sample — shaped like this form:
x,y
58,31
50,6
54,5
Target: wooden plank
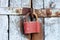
x,y
26,4
3,3
8,11
52,28
4,10
3,27
15,29
15,3
55,2
37,4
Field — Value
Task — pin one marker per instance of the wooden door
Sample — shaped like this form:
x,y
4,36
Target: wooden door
x,y
3,27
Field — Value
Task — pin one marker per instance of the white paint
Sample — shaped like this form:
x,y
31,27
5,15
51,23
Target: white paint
x,y
15,3
47,2
8,11
37,4
26,3
3,27
3,3
15,33
52,28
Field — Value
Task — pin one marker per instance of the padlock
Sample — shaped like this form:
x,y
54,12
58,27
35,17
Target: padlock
x,y
31,26
38,24
38,36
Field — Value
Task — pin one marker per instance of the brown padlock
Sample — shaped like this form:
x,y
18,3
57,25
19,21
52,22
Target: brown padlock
x,y
31,26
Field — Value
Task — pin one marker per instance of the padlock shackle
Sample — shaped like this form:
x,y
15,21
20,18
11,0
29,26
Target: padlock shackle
x,y
34,14
28,14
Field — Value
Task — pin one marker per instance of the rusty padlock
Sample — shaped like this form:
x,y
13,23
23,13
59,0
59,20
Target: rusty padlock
x,y
31,26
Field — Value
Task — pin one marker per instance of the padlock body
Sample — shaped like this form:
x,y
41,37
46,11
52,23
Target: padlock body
x,y
31,27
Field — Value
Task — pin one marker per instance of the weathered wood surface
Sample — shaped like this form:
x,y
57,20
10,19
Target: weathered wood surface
x,y
23,3
3,27
3,3
15,29
8,11
48,2
26,4
15,3
20,3
37,4
52,28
